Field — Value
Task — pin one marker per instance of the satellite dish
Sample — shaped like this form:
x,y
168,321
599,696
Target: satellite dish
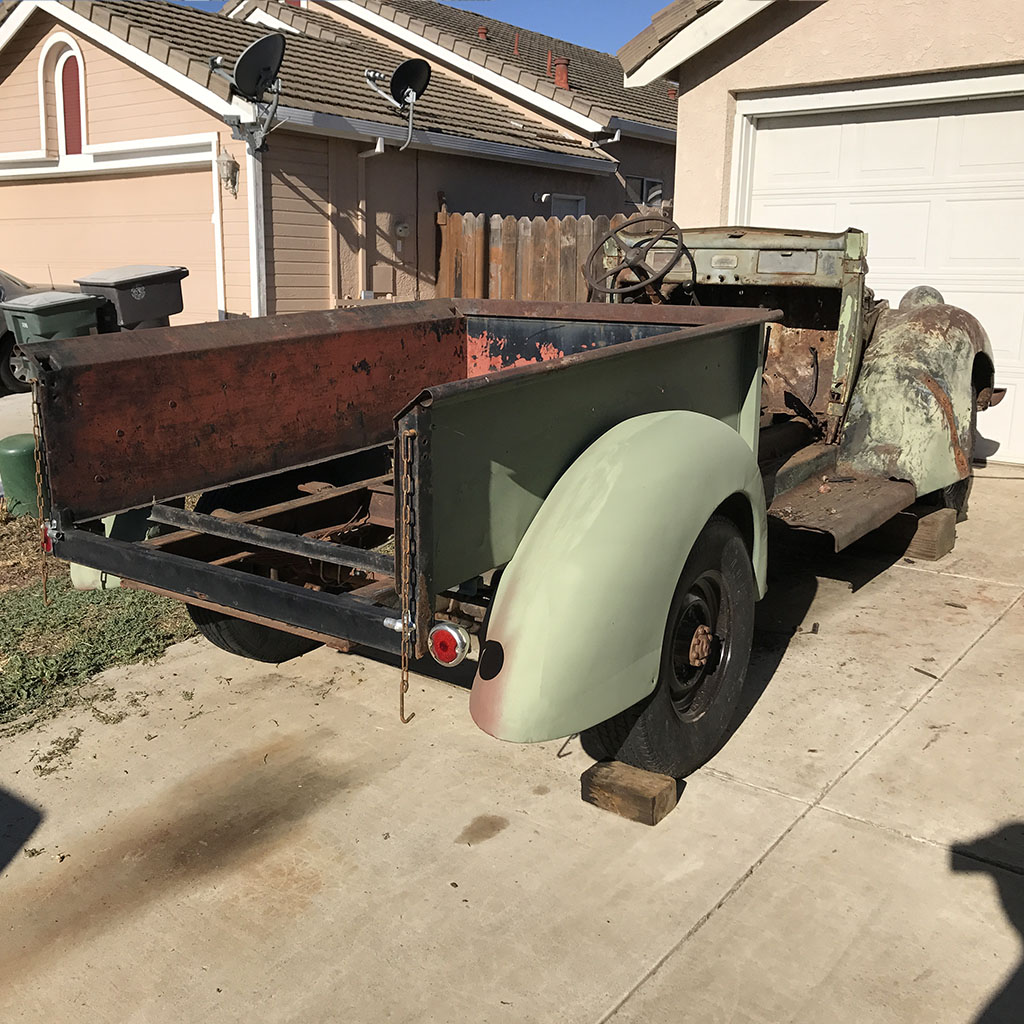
x,y
411,74
258,67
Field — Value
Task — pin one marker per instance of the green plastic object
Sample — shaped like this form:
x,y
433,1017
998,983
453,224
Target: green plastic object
x,y
46,315
18,474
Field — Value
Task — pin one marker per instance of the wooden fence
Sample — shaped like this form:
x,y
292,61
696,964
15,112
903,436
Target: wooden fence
x,y
523,258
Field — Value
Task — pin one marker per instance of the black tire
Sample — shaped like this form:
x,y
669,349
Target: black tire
x,y
240,636
249,639
685,721
7,376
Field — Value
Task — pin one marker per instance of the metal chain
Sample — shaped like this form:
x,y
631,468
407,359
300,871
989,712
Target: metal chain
x,y
405,572
38,438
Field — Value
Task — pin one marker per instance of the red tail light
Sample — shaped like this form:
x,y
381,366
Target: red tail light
x,y
449,644
46,540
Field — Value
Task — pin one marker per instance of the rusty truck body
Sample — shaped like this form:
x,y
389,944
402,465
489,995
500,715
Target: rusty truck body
x,y
576,494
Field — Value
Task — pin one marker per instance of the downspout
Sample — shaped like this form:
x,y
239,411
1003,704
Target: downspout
x,y
257,234
362,219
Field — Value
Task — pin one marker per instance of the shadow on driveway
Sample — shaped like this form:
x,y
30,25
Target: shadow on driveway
x,y
1000,855
18,820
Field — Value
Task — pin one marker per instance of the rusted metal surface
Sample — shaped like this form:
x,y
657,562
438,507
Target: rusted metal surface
x,y
911,413
798,371
700,646
851,507
943,401
200,406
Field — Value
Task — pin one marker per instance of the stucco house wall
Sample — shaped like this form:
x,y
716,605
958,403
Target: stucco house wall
x,y
802,44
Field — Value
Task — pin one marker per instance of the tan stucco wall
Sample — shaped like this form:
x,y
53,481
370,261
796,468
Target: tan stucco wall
x,y
122,105
803,44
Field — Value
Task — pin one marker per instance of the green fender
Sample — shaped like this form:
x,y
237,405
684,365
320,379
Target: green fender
x,y
576,628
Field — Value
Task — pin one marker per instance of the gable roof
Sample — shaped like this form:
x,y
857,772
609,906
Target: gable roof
x,y
680,31
665,24
320,76
595,78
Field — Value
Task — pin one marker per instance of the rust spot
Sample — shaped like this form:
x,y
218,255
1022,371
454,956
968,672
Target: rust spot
x,y
482,828
947,410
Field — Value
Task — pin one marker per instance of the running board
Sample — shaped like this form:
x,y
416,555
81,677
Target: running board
x,y
846,505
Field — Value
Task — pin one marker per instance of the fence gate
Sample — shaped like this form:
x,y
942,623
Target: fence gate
x,y
525,258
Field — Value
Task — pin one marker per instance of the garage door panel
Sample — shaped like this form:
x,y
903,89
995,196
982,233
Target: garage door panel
x,y
790,213
986,232
893,150
62,229
898,230
991,144
799,153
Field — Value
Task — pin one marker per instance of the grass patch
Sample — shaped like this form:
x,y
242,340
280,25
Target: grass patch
x,y
46,653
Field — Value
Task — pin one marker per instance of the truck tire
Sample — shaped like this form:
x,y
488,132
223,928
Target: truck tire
x,y
685,721
8,378
249,639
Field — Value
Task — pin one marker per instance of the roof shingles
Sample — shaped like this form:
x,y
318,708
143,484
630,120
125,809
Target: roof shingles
x,y
595,78
324,72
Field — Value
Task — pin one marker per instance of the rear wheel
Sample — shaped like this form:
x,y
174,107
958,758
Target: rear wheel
x,y
704,657
11,378
249,639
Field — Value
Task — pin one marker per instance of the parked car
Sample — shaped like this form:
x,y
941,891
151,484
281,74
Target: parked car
x,y
13,376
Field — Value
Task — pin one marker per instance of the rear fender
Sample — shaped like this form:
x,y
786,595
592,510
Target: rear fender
x,y
576,629
910,414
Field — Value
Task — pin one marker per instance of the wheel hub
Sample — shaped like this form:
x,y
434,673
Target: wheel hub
x,y
700,646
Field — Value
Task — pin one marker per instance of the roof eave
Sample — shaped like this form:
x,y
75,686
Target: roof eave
x,y
693,38
340,126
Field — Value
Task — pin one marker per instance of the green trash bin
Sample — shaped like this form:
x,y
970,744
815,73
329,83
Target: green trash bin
x,y
18,474
45,315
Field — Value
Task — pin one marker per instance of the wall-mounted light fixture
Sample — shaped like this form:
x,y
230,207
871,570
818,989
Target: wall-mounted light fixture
x,y
227,170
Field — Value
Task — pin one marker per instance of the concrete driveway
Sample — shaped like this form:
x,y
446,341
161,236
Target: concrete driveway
x,y
225,841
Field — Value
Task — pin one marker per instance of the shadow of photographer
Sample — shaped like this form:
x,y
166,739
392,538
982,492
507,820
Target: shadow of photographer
x,y
1000,854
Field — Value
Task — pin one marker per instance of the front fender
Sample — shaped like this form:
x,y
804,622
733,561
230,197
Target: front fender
x,y
576,629
910,414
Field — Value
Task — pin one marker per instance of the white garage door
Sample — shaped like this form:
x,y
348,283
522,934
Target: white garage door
x,y
940,191
60,229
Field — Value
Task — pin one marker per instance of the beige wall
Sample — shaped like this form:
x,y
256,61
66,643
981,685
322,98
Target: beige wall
x,y
64,228
803,44
122,105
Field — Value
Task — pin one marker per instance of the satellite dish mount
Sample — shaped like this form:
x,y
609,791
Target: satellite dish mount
x,y
256,74
408,84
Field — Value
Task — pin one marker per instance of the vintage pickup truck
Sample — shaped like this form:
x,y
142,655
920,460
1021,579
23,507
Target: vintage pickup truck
x,y
574,494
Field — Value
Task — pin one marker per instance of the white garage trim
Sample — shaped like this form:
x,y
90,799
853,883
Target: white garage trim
x,y
257,234
114,157
952,86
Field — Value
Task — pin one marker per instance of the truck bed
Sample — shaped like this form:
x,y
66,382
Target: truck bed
x,y
287,428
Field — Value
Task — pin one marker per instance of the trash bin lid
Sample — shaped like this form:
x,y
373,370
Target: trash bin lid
x,y
125,277
51,302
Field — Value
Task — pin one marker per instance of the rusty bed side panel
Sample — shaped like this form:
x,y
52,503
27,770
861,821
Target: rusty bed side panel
x,y
198,407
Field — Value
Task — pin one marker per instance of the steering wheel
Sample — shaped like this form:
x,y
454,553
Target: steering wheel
x,y
602,280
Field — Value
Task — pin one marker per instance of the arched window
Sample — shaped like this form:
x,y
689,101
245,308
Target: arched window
x,y
69,103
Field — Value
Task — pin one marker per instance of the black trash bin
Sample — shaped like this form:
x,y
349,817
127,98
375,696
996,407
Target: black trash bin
x,y
141,296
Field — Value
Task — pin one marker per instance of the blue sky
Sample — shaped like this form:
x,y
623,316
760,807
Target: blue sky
x,y
599,24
